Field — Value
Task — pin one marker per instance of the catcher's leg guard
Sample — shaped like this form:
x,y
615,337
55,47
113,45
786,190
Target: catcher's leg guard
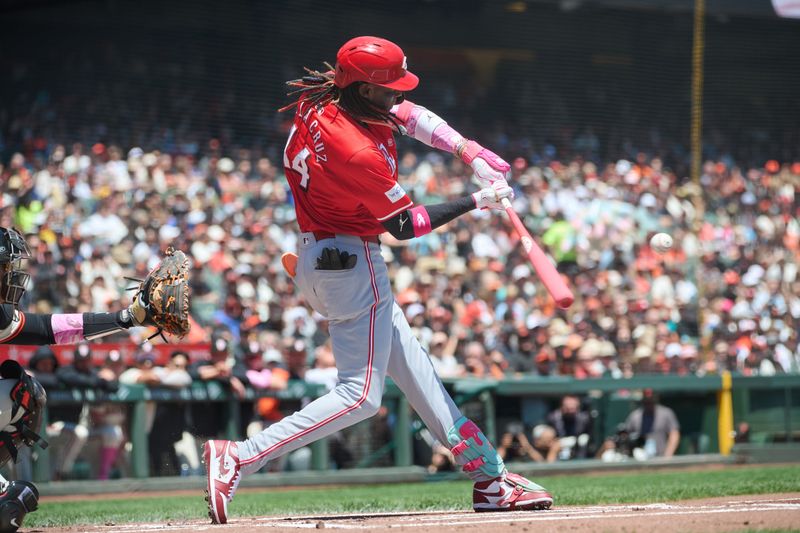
x,y
473,451
19,499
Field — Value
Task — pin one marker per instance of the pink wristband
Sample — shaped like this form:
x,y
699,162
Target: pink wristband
x,y
67,328
471,151
420,221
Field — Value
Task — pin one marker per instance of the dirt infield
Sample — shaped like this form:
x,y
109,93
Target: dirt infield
x,y
769,511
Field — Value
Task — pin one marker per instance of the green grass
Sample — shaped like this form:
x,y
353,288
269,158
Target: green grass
x,y
637,487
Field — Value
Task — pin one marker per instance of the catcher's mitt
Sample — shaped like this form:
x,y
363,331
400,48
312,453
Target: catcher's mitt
x,y
162,298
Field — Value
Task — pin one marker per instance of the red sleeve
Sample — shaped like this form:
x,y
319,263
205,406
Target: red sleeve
x,y
375,184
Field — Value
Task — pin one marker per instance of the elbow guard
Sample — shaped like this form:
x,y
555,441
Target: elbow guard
x,y
422,125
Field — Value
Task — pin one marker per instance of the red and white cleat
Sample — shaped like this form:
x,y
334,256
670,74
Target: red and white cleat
x,y
222,476
510,492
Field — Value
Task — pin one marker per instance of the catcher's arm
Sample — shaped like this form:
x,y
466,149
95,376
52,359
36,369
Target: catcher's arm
x,y
431,129
20,328
166,285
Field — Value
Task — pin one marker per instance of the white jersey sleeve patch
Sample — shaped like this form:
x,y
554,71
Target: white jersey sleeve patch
x,y
396,193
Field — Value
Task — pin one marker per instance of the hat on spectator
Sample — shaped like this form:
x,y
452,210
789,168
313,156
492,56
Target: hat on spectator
x,y
135,153
574,341
753,275
407,296
149,159
295,346
42,353
82,352
648,200
216,233
689,351
226,165
643,352
607,349
439,338
726,305
747,325
536,320
441,313
113,356
672,349
557,341
606,323
144,355
520,271
589,350
272,355
219,345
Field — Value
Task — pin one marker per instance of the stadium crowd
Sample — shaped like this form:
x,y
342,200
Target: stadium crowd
x,y
726,296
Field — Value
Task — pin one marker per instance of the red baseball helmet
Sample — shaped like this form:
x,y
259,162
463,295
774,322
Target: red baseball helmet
x,y
373,60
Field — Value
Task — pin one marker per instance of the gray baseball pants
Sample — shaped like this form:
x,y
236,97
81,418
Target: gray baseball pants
x,y
371,338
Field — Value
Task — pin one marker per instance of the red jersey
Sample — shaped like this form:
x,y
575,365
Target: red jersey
x,y
343,174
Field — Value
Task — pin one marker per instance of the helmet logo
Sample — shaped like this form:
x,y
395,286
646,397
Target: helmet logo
x,y
405,63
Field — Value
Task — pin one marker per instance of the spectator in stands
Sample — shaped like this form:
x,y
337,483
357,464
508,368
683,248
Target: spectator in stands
x,y
71,432
573,428
175,416
70,197
143,372
267,410
651,430
168,417
442,354
107,420
545,446
514,444
208,420
482,364
258,375
43,364
295,356
656,426
324,371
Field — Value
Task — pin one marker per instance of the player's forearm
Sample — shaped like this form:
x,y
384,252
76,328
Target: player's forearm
x,y
421,220
428,127
40,329
432,130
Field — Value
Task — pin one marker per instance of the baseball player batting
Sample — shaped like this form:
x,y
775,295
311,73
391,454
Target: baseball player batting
x,y
22,398
341,163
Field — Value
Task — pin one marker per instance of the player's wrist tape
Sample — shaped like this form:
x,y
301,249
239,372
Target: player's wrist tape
x,y
420,221
468,150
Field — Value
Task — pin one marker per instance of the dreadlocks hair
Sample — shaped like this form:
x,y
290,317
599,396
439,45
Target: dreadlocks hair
x,y
318,89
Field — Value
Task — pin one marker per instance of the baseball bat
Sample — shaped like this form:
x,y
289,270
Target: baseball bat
x,y
544,268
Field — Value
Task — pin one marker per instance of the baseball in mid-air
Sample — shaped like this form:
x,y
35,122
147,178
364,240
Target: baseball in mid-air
x,y
661,242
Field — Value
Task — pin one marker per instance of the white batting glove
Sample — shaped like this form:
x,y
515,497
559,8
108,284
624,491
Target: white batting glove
x,y
491,197
487,165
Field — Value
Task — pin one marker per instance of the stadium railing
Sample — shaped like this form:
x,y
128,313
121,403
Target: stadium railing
x,y
707,409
